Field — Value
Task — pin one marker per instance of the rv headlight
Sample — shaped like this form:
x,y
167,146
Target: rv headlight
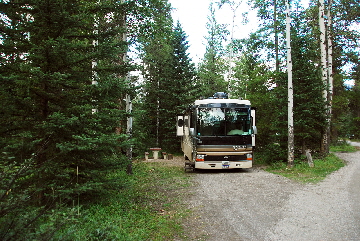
x,y
200,158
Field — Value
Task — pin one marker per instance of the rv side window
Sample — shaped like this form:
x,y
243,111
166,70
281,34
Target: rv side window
x,y
193,119
180,123
186,121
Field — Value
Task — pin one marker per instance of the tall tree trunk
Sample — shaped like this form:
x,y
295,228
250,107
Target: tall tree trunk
x,y
324,73
234,6
290,91
277,64
95,76
128,108
330,66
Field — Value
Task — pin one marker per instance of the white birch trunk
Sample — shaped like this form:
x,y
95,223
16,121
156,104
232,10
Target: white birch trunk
x,y
290,91
330,53
95,77
323,46
324,70
277,65
234,6
129,121
330,66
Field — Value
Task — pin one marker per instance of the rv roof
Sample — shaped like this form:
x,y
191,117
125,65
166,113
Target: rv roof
x,y
209,101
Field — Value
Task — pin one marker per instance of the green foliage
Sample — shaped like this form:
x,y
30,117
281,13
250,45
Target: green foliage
x,y
213,67
147,207
345,52
178,90
53,148
156,54
303,173
341,124
265,89
168,86
35,223
271,152
354,101
309,105
342,146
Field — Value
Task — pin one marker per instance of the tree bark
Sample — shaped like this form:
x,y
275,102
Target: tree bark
x,y
290,91
277,64
330,68
129,121
324,74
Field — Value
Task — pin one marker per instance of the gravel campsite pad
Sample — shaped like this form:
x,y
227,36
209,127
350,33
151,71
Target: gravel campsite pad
x,y
257,205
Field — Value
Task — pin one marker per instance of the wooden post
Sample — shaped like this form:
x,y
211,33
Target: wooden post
x,y
309,158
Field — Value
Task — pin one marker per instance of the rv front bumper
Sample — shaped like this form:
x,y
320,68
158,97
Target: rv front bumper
x,y
223,164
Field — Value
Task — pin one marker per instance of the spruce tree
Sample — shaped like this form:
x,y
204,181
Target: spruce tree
x,y
353,117
169,76
213,67
256,82
156,57
178,90
309,107
54,146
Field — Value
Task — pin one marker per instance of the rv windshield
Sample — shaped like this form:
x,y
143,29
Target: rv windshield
x,y
223,121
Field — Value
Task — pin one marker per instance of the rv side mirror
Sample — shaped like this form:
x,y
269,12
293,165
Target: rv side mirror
x,y
180,125
254,130
180,122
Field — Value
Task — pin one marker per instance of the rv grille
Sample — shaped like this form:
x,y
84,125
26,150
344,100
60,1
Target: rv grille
x,y
225,158
226,140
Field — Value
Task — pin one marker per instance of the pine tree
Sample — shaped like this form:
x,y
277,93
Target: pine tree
x,y
309,107
178,91
156,59
213,67
306,86
353,116
56,148
169,76
255,82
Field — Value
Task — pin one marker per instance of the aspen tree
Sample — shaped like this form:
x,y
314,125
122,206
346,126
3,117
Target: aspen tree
x,y
290,90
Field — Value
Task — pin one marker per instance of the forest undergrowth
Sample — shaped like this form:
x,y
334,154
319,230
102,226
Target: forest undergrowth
x,y
147,207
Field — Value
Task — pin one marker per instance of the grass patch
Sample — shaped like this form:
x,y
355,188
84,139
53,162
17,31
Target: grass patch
x,y
355,140
303,173
345,147
148,207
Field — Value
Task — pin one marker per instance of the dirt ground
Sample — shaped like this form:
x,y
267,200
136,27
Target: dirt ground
x,y
252,204
175,161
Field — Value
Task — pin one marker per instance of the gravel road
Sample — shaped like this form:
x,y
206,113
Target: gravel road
x,y
256,205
